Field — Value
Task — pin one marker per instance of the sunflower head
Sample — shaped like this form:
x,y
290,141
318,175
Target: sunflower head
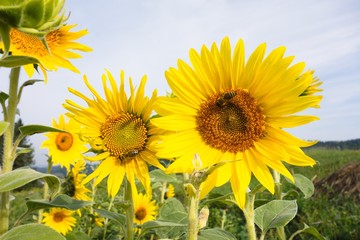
x,y
37,17
56,54
233,111
73,185
170,191
145,209
60,219
65,148
119,131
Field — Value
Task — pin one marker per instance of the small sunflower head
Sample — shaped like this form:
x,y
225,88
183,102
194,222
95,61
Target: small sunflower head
x,y
36,17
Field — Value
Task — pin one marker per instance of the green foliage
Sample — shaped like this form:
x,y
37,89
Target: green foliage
x,y
32,231
27,157
215,234
17,61
277,213
172,211
3,127
19,177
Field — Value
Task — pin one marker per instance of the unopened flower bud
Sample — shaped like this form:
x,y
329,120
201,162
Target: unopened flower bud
x,y
36,17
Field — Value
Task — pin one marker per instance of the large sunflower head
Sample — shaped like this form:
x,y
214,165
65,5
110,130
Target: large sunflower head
x,y
65,148
145,209
233,110
60,43
119,131
60,219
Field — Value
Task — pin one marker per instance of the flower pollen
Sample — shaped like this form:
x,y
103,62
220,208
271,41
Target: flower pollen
x,y
230,121
124,135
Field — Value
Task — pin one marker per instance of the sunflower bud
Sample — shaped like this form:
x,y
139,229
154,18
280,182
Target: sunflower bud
x,y
36,17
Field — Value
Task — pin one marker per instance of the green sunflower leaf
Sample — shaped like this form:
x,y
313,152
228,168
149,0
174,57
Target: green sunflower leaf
x,y
117,217
215,234
19,177
3,127
159,224
160,176
17,61
277,213
309,230
172,211
3,97
76,235
61,201
33,231
305,185
33,129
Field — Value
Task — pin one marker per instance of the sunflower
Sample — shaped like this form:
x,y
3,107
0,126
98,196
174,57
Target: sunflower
x,y
145,209
73,185
59,43
170,191
119,131
228,110
65,148
60,219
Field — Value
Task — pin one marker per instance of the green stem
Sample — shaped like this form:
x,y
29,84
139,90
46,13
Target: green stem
x,y
46,188
249,214
8,145
193,225
106,220
278,195
129,212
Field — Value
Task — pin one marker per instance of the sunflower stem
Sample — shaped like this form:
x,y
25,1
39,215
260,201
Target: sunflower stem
x,y
106,220
249,214
193,215
46,188
278,195
129,211
8,145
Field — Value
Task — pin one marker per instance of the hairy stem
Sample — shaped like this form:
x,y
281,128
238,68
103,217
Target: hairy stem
x,y
129,211
8,145
249,214
278,195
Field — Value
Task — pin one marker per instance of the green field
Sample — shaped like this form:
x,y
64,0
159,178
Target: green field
x,y
335,218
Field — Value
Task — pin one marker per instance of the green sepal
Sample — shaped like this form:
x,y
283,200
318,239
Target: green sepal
x,y
5,38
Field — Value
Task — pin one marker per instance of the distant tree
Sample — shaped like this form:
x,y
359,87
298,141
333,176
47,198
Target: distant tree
x,y
22,160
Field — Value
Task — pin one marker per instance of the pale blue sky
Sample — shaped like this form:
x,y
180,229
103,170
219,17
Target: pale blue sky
x,y
148,36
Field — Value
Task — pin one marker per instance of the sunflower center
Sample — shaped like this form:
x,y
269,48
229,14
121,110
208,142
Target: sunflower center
x,y
27,44
140,214
64,141
124,135
58,217
230,121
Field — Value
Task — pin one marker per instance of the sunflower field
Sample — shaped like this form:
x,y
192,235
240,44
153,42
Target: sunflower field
x,y
210,160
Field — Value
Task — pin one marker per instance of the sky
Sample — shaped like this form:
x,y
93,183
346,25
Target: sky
x,y
147,37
